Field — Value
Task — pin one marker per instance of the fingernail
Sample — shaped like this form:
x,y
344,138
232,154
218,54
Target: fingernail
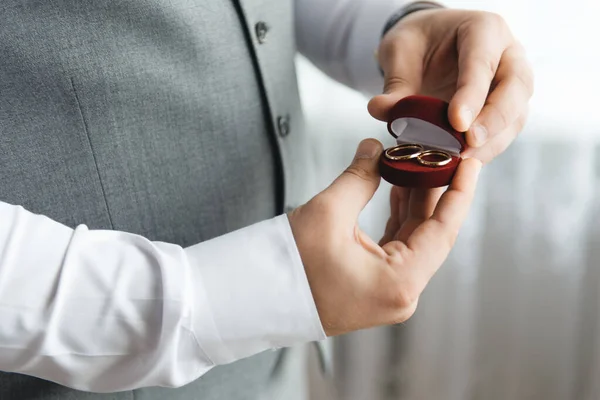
x,y
367,149
466,115
481,134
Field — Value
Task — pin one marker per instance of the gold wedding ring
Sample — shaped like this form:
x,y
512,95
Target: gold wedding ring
x,y
409,151
445,158
404,152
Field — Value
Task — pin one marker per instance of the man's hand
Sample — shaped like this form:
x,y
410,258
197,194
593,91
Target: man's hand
x,y
469,58
356,283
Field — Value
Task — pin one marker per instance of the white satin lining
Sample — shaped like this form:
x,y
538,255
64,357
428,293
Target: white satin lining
x,y
413,130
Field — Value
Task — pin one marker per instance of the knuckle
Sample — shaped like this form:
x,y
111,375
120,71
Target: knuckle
x,y
500,115
517,52
401,253
485,64
359,172
494,23
492,18
404,298
490,66
405,314
518,48
525,83
486,21
521,74
394,82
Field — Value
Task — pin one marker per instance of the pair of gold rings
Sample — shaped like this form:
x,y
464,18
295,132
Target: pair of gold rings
x,y
408,151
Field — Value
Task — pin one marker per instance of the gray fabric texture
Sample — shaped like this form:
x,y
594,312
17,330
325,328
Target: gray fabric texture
x,y
153,117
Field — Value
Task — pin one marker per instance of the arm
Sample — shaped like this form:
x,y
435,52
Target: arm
x,y
109,311
341,37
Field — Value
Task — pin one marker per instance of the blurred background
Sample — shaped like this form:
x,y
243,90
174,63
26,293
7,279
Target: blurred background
x,y
515,312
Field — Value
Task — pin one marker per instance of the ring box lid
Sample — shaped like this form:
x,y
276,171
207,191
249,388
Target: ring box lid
x,y
424,120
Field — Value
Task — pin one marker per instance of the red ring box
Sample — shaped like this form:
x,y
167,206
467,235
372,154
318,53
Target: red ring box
x,y
422,120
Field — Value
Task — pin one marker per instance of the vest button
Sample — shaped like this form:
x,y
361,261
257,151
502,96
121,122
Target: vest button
x,y
283,125
261,28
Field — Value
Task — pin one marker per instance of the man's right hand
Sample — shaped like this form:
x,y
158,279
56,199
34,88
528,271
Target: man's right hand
x,y
356,283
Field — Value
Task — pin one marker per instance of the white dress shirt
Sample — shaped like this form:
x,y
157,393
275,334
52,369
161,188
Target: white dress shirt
x,y
341,37
108,311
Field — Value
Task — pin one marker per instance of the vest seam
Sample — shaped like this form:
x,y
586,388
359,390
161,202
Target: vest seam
x,y
89,140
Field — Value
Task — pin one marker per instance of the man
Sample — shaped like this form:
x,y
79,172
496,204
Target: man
x,y
153,146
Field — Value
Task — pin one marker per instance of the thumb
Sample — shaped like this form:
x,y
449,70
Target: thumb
x,y
353,189
401,61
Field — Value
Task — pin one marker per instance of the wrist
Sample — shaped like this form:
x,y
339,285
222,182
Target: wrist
x,y
406,11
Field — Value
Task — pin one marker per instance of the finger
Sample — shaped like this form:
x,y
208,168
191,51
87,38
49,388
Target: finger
x,y
429,245
423,202
392,224
434,238
421,207
401,59
480,46
399,200
399,203
499,143
388,233
355,187
507,100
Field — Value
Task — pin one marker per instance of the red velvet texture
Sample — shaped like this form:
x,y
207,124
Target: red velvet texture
x,y
410,173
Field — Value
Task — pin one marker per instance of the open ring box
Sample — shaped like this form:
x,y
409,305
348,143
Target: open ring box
x,y
423,121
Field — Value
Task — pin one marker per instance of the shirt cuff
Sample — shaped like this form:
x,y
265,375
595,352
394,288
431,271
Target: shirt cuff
x,y
251,293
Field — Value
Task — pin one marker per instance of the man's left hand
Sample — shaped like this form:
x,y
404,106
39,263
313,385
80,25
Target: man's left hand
x,y
468,58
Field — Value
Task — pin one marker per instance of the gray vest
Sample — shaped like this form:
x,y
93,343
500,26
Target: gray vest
x,y
175,119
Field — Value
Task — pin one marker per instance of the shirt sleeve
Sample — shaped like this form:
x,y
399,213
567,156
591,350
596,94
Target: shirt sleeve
x,y
107,311
341,37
